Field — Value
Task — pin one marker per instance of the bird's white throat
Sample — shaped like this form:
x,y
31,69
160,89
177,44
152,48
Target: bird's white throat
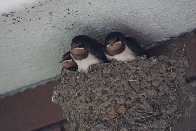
x,y
84,64
126,55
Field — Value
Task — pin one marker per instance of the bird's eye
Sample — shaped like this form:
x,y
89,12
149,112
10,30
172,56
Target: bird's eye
x,y
118,39
82,44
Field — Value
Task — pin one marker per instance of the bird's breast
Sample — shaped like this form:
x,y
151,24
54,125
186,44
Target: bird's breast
x,y
84,64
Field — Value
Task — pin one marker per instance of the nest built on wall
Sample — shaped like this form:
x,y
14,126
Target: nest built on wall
x,y
122,96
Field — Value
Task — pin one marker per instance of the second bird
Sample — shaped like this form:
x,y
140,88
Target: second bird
x,y
86,52
68,62
123,48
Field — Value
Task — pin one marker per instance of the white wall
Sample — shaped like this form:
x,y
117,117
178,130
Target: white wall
x,y
7,5
34,37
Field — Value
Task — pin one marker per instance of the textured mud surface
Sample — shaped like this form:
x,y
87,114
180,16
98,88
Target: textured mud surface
x,y
137,95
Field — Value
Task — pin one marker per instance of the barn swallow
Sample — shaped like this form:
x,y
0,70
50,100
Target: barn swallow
x,y
86,52
68,62
123,48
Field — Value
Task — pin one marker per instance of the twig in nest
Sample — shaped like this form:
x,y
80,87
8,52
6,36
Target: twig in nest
x,y
134,90
116,124
176,85
94,123
150,114
140,124
168,81
147,116
132,80
132,109
111,118
171,68
146,127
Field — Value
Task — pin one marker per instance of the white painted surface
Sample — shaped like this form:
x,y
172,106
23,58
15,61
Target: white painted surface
x,y
7,5
33,38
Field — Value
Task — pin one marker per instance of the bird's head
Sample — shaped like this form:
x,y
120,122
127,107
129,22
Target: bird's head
x,y
80,47
65,57
114,43
68,62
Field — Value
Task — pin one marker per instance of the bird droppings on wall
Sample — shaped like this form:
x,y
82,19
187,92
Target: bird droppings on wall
x,y
138,95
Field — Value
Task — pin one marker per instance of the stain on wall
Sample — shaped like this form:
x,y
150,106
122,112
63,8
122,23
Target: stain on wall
x,y
34,37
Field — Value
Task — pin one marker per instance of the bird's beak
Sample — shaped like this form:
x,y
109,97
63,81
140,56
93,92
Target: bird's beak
x,y
61,61
72,47
75,46
65,61
77,50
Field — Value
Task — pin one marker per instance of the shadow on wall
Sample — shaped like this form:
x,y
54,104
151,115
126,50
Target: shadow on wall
x,y
100,33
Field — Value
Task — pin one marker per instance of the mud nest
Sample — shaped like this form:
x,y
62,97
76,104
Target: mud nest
x,y
123,96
